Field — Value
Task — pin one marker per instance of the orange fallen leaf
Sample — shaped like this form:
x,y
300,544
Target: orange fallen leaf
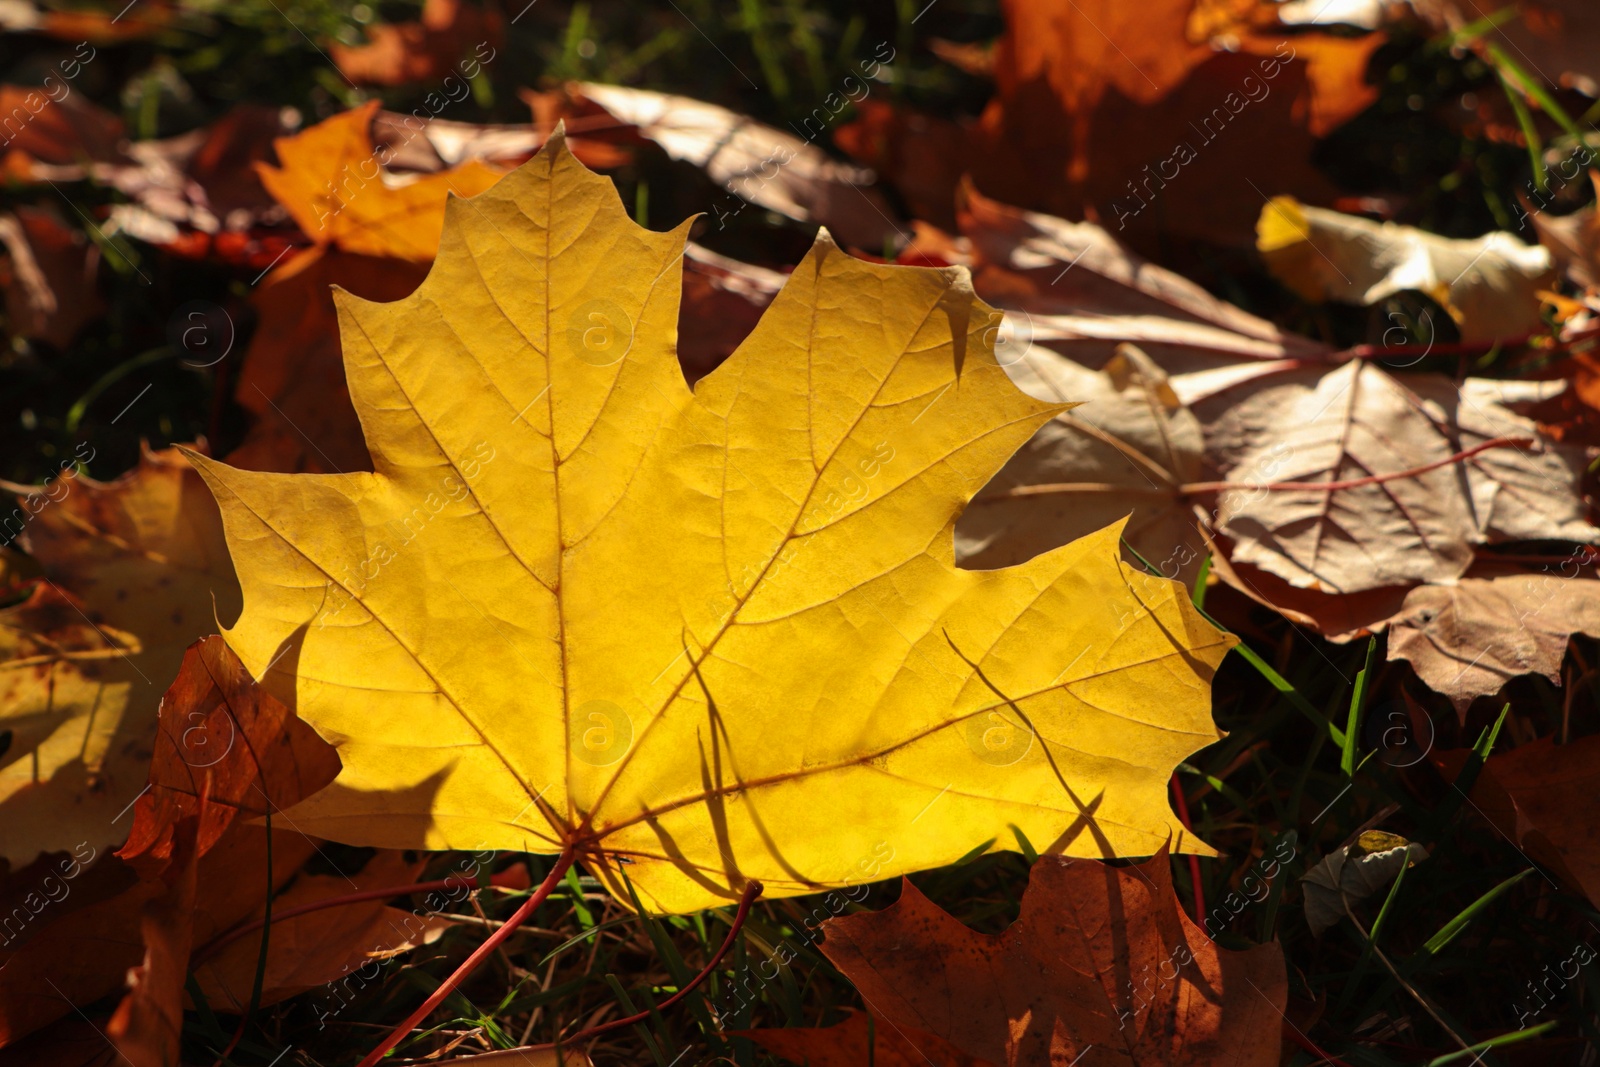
x,y
147,1027
1102,965
54,131
222,735
450,35
292,380
1121,112
311,950
332,181
76,956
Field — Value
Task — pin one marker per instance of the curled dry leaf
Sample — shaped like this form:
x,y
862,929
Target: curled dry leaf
x,y
1127,451
1489,284
1469,639
1540,797
1101,965
721,620
1353,873
766,166
133,571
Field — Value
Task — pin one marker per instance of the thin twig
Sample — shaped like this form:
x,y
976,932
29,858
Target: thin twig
x,y
1274,487
1194,861
502,880
751,891
1407,986
470,964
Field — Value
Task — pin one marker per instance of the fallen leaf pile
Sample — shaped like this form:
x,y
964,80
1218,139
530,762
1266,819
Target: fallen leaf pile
x,y
541,531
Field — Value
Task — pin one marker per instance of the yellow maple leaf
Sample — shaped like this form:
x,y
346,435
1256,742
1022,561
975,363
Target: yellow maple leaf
x,y
335,184
710,636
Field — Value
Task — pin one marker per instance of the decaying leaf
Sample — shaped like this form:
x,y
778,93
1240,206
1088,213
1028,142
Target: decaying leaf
x,y
1353,873
1489,284
766,166
1469,639
194,868
134,570
334,183
1540,797
1102,966
1127,451
578,604
1358,427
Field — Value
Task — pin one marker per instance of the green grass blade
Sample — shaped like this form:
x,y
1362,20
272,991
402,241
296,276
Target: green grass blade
x,y
1449,930
1358,704
1494,1042
1025,846
1535,88
1290,693
1530,133
1388,902
1200,579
